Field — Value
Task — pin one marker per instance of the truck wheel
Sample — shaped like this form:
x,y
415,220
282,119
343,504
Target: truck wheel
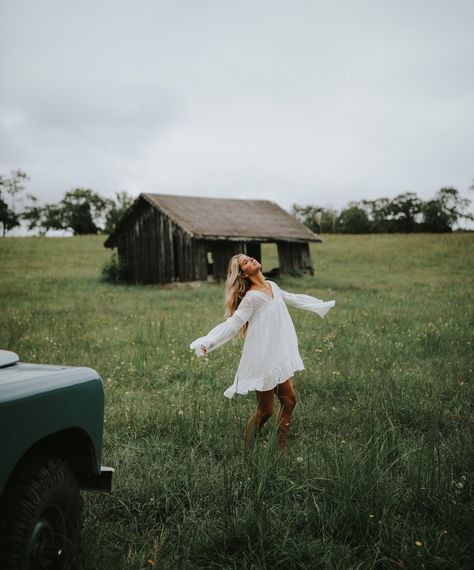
x,y
41,518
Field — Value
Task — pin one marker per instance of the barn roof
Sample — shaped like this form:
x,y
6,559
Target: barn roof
x,y
224,218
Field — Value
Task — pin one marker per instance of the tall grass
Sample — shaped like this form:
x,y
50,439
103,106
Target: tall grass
x,y
379,472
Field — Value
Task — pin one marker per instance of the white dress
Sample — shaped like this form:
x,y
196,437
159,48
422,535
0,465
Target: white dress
x,y
270,354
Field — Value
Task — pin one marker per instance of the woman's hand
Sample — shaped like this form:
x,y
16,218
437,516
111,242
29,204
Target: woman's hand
x,y
199,349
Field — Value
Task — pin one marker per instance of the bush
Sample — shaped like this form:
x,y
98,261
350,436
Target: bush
x,y
113,271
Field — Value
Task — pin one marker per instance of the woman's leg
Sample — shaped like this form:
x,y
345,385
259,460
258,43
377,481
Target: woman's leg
x,y
265,402
287,396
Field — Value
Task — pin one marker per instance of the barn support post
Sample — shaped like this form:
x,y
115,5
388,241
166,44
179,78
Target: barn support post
x,y
306,260
294,257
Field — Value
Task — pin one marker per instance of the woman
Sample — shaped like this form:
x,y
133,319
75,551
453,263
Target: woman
x,y
270,355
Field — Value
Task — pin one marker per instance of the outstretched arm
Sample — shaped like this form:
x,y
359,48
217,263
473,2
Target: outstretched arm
x,y
223,332
307,303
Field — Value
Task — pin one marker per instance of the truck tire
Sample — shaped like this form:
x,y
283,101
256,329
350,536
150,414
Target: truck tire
x,y
41,518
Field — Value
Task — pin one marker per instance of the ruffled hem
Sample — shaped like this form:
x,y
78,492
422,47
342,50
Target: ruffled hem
x,y
266,382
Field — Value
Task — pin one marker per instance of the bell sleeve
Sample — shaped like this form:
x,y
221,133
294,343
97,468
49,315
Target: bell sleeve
x,y
307,303
223,332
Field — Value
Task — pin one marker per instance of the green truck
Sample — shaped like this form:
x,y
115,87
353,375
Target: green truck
x,y
51,424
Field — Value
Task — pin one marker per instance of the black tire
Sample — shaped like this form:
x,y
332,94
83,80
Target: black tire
x,y
41,518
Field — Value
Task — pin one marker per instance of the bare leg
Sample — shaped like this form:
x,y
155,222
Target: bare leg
x,y
265,402
287,396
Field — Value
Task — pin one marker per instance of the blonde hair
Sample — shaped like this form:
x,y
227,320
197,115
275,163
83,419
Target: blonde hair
x,y
236,286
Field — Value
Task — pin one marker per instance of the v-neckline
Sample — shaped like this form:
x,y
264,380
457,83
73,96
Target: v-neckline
x,y
259,291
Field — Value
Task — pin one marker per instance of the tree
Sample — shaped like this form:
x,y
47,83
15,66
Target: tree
x,y
116,210
44,218
318,220
81,210
353,220
447,207
377,212
8,218
435,219
403,213
14,185
310,216
328,220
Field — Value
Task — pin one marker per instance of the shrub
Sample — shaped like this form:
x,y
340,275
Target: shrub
x,y
113,271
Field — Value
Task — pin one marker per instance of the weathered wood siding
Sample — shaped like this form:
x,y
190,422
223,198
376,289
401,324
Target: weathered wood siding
x,y
196,261
222,251
294,256
153,249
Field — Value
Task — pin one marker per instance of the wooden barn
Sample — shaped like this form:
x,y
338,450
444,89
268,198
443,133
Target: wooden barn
x,y
164,238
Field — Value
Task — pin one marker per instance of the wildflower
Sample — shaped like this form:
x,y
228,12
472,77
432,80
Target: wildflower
x,y
418,543
150,562
371,516
180,413
299,459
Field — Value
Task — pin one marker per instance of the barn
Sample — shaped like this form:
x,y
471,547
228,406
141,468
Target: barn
x,y
164,238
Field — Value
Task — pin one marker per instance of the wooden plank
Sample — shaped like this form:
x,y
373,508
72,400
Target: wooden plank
x,y
284,257
171,252
153,246
166,250
307,262
222,252
294,257
161,249
198,268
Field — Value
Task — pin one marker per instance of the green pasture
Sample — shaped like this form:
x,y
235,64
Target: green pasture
x,y
379,473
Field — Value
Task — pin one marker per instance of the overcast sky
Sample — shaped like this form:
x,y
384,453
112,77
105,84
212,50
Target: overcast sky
x,y
294,101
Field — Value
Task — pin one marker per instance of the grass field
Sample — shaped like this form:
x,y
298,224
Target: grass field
x,y
379,473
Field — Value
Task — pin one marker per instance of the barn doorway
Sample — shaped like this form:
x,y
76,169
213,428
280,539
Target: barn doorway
x,y
266,254
254,249
270,261
210,265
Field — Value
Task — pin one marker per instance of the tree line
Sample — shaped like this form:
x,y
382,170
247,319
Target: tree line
x,y
404,213
81,210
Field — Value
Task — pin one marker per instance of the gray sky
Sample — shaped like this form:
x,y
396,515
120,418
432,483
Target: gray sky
x,y
294,101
